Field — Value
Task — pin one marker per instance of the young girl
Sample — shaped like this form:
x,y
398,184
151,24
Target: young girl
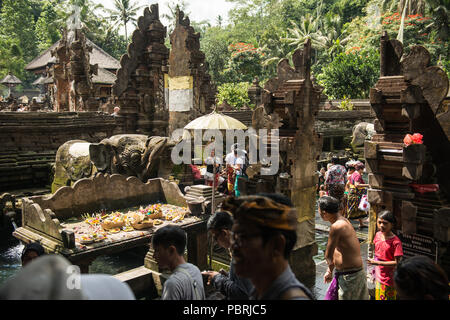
x,y
388,251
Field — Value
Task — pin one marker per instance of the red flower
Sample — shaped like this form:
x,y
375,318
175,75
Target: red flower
x,y
407,140
417,138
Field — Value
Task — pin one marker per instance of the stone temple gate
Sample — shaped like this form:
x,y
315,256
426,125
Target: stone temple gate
x,y
290,103
411,180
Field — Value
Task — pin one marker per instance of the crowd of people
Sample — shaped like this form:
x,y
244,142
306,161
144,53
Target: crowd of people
x,y
346,184
260,233
224,174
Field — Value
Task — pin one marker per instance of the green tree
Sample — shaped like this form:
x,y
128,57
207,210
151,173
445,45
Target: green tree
x,y
244,63
214,43
348,9
330,32
112,42
47,28
94,24
86,13
274,50
18,23
440,13
307,29
235,94
124,11
350,74
11,58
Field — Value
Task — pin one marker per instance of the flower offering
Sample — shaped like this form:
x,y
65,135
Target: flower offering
x,y
416,138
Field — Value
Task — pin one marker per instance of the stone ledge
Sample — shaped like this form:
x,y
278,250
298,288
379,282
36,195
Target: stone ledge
x,y
143,282
351,114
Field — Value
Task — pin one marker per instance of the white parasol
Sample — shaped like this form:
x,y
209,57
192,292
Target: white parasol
x,y
215,121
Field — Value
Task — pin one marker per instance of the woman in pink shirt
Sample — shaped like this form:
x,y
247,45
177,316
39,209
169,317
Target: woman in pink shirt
x,y
388,251
357,187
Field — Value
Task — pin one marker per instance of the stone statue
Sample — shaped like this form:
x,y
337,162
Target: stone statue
x,y
72,163
361,132
127,154
130,154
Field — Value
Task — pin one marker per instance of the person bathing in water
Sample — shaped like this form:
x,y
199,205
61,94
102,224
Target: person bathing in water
x,y
343,253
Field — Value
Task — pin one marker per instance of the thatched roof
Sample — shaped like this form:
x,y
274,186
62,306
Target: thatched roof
x,y
104,76
10,79
98,55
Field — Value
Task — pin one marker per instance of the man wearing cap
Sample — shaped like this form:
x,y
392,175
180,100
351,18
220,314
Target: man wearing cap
x,y
263,235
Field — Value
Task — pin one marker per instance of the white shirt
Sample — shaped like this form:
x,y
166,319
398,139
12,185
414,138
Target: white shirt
x,y
231,158
240,161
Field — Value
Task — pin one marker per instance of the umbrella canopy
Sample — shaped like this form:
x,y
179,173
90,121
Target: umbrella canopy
x,y
216,121
10,79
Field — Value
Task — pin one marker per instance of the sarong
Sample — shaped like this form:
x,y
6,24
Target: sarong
x,y
384,292
231,180
348,285
344,204
353,200
236,188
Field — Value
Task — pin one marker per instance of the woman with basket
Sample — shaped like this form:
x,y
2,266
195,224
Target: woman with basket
x,y
357,189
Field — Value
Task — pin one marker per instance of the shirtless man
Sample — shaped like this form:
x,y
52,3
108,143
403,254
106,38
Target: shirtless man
x,y
343,253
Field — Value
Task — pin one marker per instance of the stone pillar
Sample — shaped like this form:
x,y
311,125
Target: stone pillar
x,y
294,98
254,93
139,86
189,85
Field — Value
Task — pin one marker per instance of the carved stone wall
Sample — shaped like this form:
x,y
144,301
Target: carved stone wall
x,y
140,80
191,93
29,141
72,73
292,100
405,100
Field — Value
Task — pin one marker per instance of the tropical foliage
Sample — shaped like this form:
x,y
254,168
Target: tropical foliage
x,y
124,11
257,34
244,63
235,94
350,74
